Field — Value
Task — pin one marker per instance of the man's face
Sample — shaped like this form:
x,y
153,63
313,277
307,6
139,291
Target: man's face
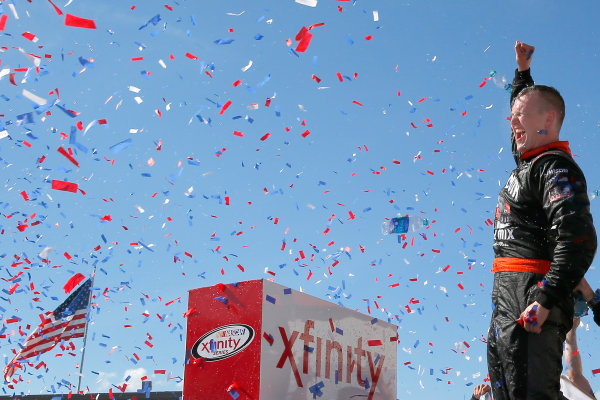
x,y
530,124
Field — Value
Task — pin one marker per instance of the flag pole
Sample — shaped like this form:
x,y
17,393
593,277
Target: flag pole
x,y
85,333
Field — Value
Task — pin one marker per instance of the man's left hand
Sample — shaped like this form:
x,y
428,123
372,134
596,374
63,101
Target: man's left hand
x,y
534,317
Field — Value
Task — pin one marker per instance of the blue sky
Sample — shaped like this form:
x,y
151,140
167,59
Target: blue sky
x,y
424,64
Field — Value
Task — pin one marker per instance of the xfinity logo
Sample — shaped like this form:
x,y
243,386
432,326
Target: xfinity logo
x,y
323,358
223,342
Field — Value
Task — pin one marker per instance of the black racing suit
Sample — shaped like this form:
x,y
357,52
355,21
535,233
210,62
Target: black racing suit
x,y
543,214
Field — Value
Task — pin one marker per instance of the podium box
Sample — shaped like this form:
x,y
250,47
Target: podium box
x,y
262,341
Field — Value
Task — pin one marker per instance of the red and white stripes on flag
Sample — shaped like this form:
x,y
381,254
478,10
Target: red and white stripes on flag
x,y
66,322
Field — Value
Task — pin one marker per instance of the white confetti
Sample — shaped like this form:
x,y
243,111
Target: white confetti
x,y
44,253
40,101
310,3
14,10
247,67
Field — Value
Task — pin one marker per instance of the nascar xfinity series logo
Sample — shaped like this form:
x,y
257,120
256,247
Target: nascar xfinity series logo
x,y
223,342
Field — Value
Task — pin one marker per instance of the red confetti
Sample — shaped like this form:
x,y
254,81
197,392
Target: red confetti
x,y
225,107
265,136
77,22
3,19
58,11
64,153
30,36
189,312
316,25
193,57
316,78
268,338
306,133
12,289
73,282
303,37
64,186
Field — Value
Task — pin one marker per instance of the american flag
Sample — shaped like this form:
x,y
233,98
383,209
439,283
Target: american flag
x,y
66,322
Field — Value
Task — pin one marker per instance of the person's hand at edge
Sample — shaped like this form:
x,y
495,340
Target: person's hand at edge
x,y
534,317
480,390
524,55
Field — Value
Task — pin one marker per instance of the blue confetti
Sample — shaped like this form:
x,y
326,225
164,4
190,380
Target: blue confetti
x,y
115,148
223,41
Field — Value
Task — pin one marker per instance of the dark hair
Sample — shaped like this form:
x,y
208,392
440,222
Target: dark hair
x,y
551,97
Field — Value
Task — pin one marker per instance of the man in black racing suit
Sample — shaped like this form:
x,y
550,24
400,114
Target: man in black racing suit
x,y
544,242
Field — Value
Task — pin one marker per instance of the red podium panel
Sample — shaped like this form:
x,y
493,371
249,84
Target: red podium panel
x,y
262,341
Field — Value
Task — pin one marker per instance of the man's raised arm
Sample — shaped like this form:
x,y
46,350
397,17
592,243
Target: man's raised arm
x,y
522,79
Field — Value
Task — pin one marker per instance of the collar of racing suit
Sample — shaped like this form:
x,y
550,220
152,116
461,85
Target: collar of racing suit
x,y
560,145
